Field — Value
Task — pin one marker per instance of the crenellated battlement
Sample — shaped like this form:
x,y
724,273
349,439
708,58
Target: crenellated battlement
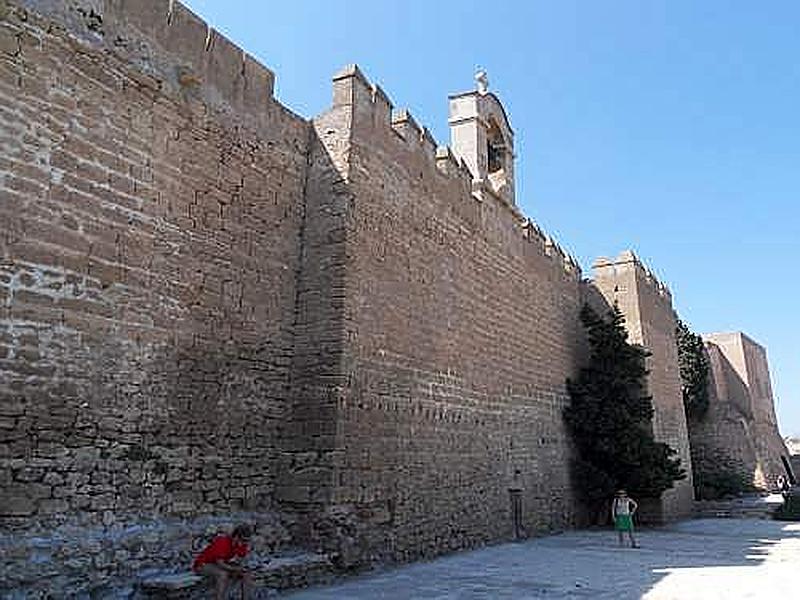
x,y
371,108
406,126
373,113
454,168
549,247
447,162
168,41
383,105
628,259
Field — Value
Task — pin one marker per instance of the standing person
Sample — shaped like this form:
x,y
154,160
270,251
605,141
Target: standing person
x,y
622,510
783,485
221,559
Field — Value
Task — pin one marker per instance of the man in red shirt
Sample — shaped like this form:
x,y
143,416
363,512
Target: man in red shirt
x,y
222,560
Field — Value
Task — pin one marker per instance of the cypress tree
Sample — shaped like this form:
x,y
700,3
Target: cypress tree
x,y
694,369
610,418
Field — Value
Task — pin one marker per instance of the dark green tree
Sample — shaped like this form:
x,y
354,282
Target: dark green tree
x,y
694,368
610,418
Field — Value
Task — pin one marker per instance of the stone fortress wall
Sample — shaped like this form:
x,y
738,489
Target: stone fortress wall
x,y
209,304
723,439
459,328
741,429
152,200
151,204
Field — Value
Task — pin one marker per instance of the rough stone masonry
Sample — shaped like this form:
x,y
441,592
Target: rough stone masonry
x,y
209,304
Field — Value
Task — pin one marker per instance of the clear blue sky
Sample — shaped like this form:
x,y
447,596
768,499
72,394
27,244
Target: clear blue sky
x,y
670,127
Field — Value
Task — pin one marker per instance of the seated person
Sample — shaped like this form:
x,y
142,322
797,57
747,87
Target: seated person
x,y
222,558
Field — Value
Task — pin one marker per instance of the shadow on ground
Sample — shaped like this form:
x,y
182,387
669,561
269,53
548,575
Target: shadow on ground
x,y
699,559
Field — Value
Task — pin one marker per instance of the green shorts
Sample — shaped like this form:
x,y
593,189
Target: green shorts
x,y
623,523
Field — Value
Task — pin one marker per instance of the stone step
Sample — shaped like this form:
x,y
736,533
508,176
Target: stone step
x,y
740,508
172,586
300,569
288,570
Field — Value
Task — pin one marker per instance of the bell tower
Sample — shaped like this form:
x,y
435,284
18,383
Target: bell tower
x,y
481,135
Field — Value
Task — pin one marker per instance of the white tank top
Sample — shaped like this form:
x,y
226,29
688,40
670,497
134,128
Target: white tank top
x,y
622,506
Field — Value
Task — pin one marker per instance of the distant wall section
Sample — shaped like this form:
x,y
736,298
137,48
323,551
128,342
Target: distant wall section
x,y
723,439
741,421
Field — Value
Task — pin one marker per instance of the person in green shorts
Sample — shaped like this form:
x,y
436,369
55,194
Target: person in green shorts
x,y
622,510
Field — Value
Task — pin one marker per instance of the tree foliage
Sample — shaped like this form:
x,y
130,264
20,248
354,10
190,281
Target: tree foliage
x,y
717,475
610,417
694,369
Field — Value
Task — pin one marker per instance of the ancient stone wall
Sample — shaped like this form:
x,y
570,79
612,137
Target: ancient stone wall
x,y
151,198
460,327
650,321
741,422
209,304
722,440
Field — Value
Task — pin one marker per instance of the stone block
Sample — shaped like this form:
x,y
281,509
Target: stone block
x,y
53,506
19,500
9,41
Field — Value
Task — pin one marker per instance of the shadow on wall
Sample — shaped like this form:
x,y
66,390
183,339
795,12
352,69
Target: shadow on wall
x,y
148,430
213,441
166,438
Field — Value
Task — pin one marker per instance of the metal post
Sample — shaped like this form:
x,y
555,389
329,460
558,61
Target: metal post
x,y
515,493
516,511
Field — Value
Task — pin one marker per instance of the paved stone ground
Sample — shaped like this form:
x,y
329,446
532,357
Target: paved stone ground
x,y
702,559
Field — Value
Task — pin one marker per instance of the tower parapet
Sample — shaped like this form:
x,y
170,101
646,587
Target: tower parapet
x,y
628,262
646,304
